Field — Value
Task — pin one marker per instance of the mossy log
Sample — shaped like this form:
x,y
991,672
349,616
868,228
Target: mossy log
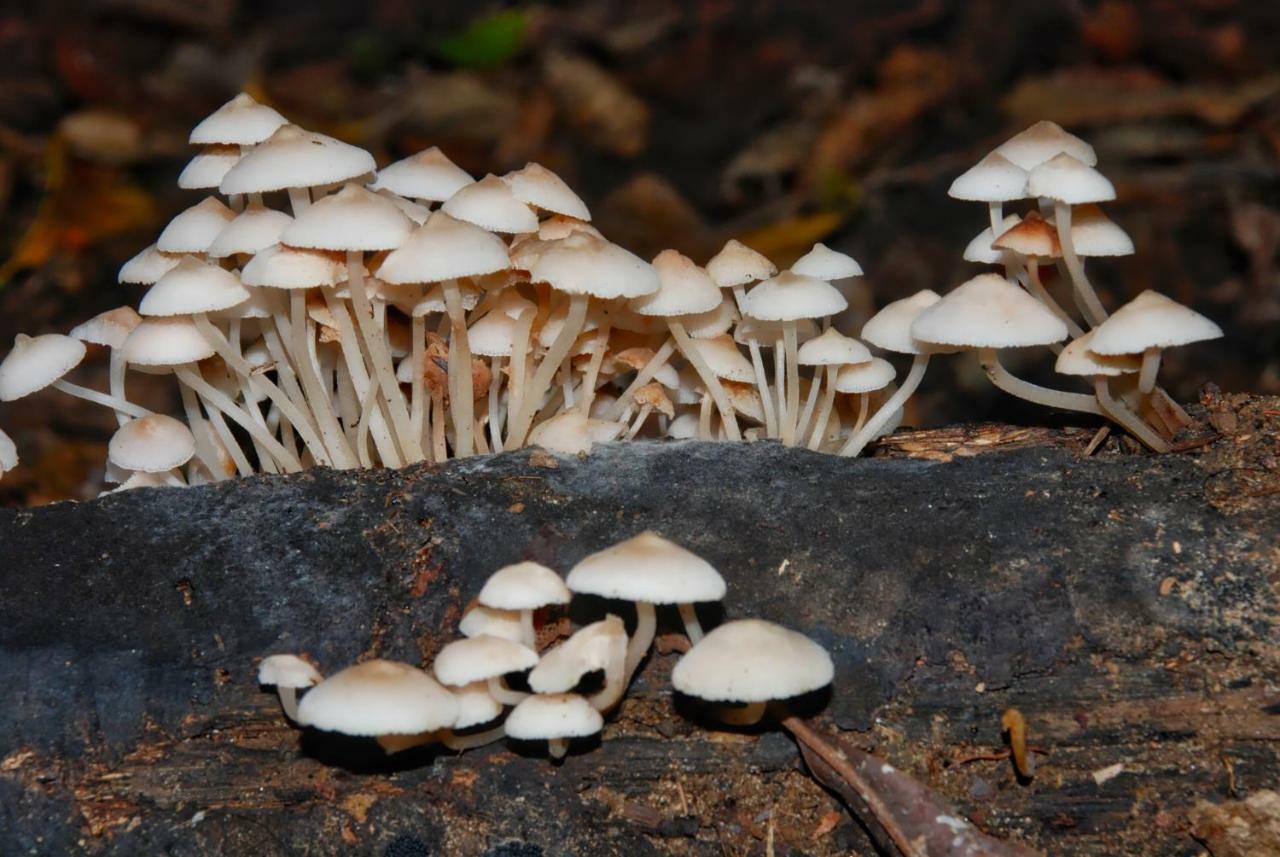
x,y
1124,603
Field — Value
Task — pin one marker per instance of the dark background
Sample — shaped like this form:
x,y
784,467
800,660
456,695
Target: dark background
x,y
681,124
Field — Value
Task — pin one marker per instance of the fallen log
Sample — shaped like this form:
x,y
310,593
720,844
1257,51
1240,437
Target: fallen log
x,y
1124,603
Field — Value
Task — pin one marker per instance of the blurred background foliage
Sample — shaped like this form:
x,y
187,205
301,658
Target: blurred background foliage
x,y
681,124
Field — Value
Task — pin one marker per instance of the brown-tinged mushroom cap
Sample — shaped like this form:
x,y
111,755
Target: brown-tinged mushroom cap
x,y
151,444
1031,236
1042,141
654,396
737,265
1078,359
539,187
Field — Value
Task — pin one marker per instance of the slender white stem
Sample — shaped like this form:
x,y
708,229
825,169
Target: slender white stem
x,y
793,384
360,379
206,452
517,383
1150,369
780,382
288,701
638,645
811,401
495,403
120,406
299,199
543,377
320,404
461,390
418,398
860,438
1118,412
1015,386
639,422
1094,312
704,417
655,363
692,627
118,369
995,210
461,743
690,350
368,409
189,375
1036,287
592,376
439,448
243,467
819,433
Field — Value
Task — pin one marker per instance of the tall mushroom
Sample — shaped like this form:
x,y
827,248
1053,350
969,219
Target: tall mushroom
x,y
1147,325
735,267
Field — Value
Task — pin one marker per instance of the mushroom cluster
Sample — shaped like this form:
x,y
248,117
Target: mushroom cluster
x,y
317,310
496,683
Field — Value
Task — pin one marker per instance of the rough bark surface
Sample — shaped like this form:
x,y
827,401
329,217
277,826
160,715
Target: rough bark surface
x,y
1126,604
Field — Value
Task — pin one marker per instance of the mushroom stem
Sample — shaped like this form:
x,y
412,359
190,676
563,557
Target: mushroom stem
x,y
793,384
495,403
995,210
1036,287
547,369
439,449
861,437
1150,368
815,386
118,368
288,701
639,422
288,381
1093,310
461,389
743,715
368,409
704,417
528,635
592,376
517,380
120,406
1021,389
558,747
1118,412
864,405
499,691
205,450
461,743
417,396
1164,404
360,380
780,383
655,363
299,199
692,627
319,401
190,376
615,684
762,379
243,467
646,626
709,379
818,434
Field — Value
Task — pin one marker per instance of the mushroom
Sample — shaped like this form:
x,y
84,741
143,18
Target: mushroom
x,y
1078,359
863,379
149,265
296,160
555,718
537,186
208,167
485,658
242,121
490,204
428,176
288,674
479,620
1147,325
735,267
650,397
1034,239
599,646
494,336
152,444
525,587
751,662
994,180
193,230
42,361
830,350
111,328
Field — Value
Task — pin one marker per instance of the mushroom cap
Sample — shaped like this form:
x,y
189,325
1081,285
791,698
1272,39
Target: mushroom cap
x,y
1151,320
428,175
560,225
647,568
481,658
993,179
193,230
281,267
751,660
1042,141
208,167
1066,179
655,397
378,697
164,342
890,328
490,204
1031,236
544,717
35,362
8,453
1077,359
683,427
537,186
745,399
1095,234
524,586
715,321
110,328
151,444
444,248
287,671
351,219
737,264
412,210
875,374
253,230
724,358
568,433
683,288
823,263
475,705
147,266
583,264
294,157
591,648
988,311
493,336
493,622
831,348
790,296
194,286
242,121
980,250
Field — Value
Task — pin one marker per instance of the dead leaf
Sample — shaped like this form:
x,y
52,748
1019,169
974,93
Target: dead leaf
x,y
597,104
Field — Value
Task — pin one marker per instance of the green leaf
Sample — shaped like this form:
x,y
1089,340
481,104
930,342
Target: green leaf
x,y
486,41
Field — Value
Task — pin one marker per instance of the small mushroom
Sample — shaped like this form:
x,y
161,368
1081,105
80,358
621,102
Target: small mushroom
x,y
8,454
599,646
555,718
288,674
484,658
526,587
1147,325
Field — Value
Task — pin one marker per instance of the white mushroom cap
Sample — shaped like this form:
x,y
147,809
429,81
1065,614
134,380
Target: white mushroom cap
x,y
683,427
988,311
1066,179
875,374
253,230
751,660
412,210
737,264
281,267
207,168
993,179
831,348
8,453
524,586
490,205
647,568
287,671
193,230
548,716
980,250
790,296
428,175
151,444
581,263
560,225
568,433
724,359
1151,320
492,336
351,219
36,362
242,121
591,648
683,288
1042,141
481,658
110,328
537,186
444,248
823,263
148,266
890,328
1077,359
166,342
475,705
193,287
487,620
1095,234
715,321
378,697
294,157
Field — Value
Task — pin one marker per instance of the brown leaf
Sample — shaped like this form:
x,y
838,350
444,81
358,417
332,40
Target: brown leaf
x,y
597,104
